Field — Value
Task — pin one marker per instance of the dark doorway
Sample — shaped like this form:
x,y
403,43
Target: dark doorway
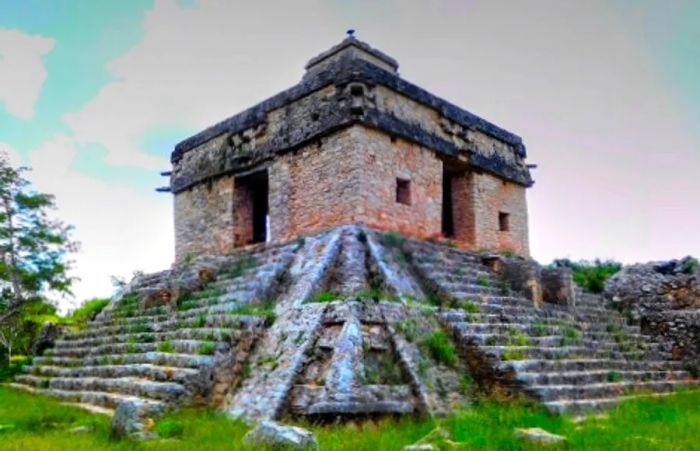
x,y
448,227
251,208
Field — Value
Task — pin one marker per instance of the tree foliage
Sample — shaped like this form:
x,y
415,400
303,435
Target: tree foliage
x,y
34,247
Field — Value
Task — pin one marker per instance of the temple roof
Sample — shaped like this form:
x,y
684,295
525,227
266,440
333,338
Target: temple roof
x,y
355,61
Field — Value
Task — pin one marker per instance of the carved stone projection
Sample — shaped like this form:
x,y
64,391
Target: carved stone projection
x,y
353,368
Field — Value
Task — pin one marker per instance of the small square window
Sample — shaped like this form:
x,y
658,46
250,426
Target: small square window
x,y
403,191
503,221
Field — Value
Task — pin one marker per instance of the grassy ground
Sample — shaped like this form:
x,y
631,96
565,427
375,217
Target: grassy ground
x,y
30,422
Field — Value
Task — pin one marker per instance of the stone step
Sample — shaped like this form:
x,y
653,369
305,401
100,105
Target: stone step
x,y
95,398
599,390
156,315
542,352
144,371
163,391
221,318
583,406
177,346
208,333
154,358
598,376
550,341
590,364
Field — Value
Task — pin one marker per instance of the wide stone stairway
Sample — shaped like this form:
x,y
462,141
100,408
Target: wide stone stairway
x,y
348,322
584,357
164,355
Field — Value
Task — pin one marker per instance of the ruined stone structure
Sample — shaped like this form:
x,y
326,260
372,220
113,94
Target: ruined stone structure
x,y
351,143
355,321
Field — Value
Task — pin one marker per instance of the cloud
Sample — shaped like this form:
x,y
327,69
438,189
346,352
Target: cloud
x,y
121,229
22,71
195,66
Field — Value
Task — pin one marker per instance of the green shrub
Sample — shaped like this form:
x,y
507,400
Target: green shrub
x,y
513,354
206,348
165,346
393,239
539,328
483,281
265,309
469,306
324,296
440,347
517,338
570,335
614,376
17,362
590,276
409,329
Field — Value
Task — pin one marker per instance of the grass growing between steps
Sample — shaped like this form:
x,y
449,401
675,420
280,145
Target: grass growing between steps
x,y
32,422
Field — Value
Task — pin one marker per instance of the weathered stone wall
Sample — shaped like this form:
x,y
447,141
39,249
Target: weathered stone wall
x,y
204,219
380,162
493,195
665,298
351,177
315,187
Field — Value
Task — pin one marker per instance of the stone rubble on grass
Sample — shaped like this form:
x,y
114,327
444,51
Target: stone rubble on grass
x,y
278,436
538,435
131,419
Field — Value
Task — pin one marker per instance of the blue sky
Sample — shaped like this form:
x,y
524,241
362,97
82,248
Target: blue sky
x,y
93,96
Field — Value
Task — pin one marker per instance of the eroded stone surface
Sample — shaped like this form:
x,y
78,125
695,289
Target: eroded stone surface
x,y
272,435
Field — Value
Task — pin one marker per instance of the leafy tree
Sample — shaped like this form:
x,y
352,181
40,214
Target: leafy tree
x,y
33,246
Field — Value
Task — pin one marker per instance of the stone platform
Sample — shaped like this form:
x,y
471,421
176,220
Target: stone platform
x,y
352,323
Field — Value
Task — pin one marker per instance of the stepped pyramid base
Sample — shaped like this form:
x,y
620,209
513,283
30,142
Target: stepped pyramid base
x,y
350,322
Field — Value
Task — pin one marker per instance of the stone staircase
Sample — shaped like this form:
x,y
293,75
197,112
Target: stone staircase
x,y
571,358
166,355
349,322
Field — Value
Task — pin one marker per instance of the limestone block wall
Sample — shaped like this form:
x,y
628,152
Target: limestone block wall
x,y
491,196
204,218
382,160
351,177
314,187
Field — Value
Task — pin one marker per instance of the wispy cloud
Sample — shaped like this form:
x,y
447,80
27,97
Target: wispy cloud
x,y
22,71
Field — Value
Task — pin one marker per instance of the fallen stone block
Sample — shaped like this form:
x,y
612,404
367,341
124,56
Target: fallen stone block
x,y
538,435
278,436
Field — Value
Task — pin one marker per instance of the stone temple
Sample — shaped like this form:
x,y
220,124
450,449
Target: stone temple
x,y
312,281
351,143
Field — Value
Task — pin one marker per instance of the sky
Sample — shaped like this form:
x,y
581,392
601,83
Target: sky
x,y
605,93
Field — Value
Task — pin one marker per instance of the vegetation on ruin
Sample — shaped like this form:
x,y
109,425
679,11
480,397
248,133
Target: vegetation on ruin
x,y
590,275
266,309
30,421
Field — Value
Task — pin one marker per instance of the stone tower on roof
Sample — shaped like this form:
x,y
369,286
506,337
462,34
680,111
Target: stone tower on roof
x,y
352,142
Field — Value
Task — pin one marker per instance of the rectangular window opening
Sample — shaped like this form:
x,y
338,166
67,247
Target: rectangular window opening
x,y
503,221
403,191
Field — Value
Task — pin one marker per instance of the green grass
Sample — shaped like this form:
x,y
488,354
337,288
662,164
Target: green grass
x,y
324,296
32,422
206,348
165,346
440,347
265,309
